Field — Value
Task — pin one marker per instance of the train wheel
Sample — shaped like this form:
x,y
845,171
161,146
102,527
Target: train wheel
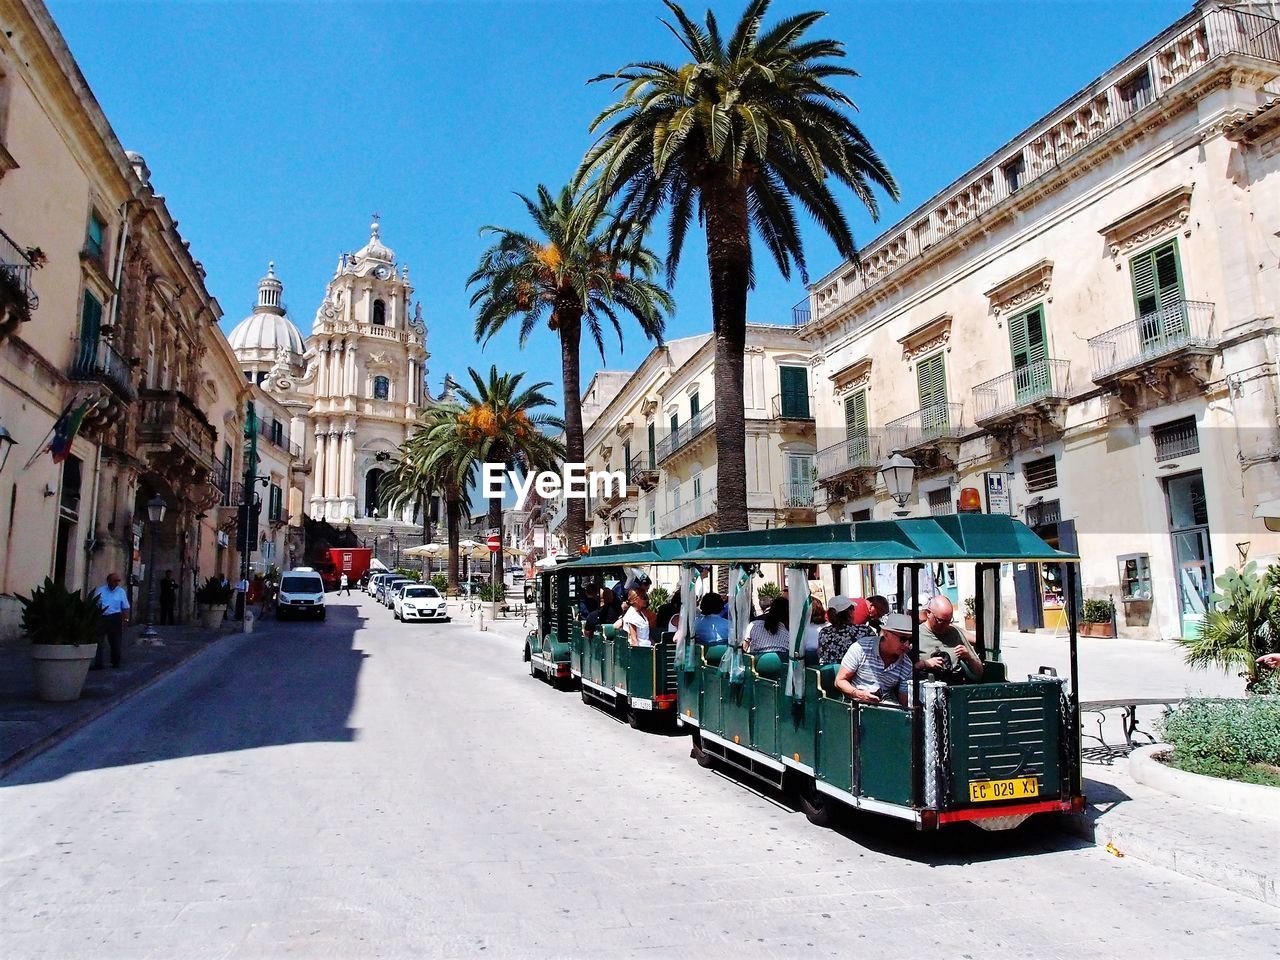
x,y
816,810
586,697
635,718
704,759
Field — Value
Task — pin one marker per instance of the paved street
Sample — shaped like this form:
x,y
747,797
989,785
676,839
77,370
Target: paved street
x,y
362,788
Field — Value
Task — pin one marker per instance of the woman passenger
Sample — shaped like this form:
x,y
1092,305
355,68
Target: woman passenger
x,y
636,619
769,634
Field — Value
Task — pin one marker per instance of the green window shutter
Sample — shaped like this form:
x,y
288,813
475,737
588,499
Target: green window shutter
x,y
1157,294
626,460
793,383
695,404
675,423
1027,342
90,317
931,378
857,446
653,443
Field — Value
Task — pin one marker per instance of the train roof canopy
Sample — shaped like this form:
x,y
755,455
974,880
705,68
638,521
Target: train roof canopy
x,y
961,537
637,553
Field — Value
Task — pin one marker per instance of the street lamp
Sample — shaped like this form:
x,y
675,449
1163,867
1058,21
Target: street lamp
x,y
155,514
6,444
898,474
626,523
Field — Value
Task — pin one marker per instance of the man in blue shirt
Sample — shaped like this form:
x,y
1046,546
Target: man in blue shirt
x,y
711,626
115,617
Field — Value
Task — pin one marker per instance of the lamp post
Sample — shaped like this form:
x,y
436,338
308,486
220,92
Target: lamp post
x,y
6,444
626,523
898,474
155,515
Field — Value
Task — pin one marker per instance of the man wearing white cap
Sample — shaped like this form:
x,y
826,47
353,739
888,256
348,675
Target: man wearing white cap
x,y
878,669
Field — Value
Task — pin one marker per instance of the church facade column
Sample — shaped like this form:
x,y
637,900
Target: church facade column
x,y
318,474
352,387
349,469
322,366
335,466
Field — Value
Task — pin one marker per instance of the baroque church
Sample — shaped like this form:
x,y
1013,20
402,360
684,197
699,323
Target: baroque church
x,y
353,388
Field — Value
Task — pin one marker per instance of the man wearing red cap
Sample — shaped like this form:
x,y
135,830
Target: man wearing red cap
x,y
848,622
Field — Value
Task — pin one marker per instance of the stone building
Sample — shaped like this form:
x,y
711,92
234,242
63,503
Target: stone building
x,y
1084,325
121,331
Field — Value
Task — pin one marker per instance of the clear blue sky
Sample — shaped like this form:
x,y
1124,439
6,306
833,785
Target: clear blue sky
x,y
275,129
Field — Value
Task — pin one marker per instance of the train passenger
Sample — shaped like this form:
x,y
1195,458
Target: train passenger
x,y
668,612
711,626
770,633
944,648
590,601
878,669
848,623
636,620
608,612
879,610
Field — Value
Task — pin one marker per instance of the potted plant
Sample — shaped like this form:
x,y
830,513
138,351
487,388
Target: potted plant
x,y
970,615
1098,619
212,597
64,627
1242,623
766,593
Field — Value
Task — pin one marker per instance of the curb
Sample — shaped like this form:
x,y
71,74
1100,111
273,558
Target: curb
x,y
1253,799
1137,839
47,742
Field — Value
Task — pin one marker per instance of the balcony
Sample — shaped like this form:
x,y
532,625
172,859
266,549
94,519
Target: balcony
x,y
643,471
800,314
175,438
847,470
97,361
1175,332
16,267
1024,392
795,498
793,408
930,436
687,432
692,517
274,433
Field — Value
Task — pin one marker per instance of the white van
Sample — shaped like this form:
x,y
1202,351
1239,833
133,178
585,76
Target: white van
x,y
301,594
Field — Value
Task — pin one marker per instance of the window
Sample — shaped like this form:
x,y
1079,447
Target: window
x,y
379,313
1178,438
1157,296
857,445
931,379
1040,474
248,376
675,424
95,237
626,460
90,328
1027,341
653,443
860,516
275,503
262,377
381,388
1135,91
940,503
793,384
1014,173
695,405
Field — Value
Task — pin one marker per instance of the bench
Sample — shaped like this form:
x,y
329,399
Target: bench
x,y
1128,708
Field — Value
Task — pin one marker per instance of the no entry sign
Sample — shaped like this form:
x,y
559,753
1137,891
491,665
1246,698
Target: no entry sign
x,y
494,543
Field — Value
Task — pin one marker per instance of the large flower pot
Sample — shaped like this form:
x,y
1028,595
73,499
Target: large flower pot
x,y
211,616
60,669
1097,630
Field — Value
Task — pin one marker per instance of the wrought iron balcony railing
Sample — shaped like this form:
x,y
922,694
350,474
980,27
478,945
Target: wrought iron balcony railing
x,y
1041,380
787,406
939,421
795,496
15,263
642,469
859,452
686,432
1178,326
691,511
800,313
97,361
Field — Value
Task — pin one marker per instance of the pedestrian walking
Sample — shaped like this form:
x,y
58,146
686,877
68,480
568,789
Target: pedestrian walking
x,y
115,609
168,598
344,584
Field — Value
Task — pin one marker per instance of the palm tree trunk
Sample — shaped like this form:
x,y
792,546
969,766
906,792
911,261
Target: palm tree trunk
x,y
495,523
729,264
453,515
570,346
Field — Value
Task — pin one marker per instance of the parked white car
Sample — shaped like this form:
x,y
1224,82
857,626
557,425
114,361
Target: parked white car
x,y
420,601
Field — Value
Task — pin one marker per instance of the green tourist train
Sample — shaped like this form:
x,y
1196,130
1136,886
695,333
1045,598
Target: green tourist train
x,y
992,751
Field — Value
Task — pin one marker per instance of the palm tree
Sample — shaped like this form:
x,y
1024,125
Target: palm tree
x,y
500,423
736,134
580,268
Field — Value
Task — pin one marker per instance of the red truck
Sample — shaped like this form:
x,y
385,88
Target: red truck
x,y
353,561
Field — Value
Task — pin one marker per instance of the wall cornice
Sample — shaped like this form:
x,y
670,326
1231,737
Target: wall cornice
x,y
1021,288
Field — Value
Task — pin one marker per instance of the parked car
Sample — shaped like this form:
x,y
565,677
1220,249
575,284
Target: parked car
x,y
385,585
397,588
420,601
301,595
389,588
375,582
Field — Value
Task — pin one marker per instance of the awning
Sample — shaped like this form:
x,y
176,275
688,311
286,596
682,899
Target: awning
x,y
1269,513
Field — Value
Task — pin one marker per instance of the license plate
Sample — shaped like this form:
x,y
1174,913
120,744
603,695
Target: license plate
x,y
1017,788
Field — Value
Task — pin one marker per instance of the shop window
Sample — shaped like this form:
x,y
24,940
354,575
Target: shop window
x,y
1041,474
1175,439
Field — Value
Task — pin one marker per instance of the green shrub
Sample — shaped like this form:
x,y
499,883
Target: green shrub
x,y
1099,611
212,593
492,591
657,597
1243,624
768,592
1244,772
1225,731
54,614
440,581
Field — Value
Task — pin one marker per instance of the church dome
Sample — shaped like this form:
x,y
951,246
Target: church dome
x,y
267,329
375,249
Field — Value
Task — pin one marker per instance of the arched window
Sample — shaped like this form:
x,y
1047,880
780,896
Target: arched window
x,y
381,388
371,481
379,313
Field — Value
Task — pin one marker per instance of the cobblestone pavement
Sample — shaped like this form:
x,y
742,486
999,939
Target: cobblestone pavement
x,y
362,788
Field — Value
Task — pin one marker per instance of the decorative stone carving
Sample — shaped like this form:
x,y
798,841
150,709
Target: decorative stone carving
x,y
649,405
624,426
853,377
1024,287
1164,214
926,338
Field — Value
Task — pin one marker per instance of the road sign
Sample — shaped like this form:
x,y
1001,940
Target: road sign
x,y
494,543
998,489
